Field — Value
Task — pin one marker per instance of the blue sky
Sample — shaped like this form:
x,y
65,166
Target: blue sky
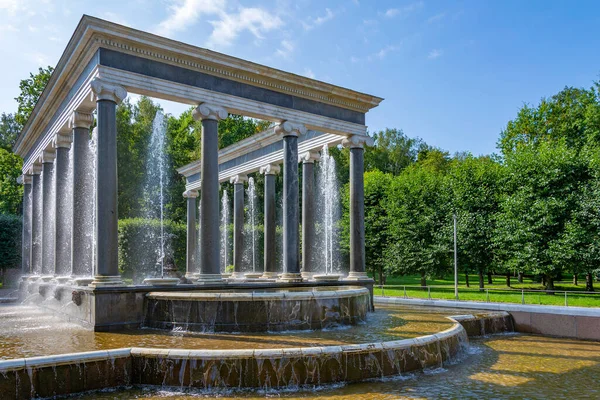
x,y
452,73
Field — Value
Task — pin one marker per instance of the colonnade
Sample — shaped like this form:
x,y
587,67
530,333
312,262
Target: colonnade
x,y
295,269
57,243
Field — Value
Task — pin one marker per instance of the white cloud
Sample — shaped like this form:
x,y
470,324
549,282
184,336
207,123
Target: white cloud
x,y
436,18
10,6
435,53
308,73
229,26
384,52
403,11
313,22
184,13
286,49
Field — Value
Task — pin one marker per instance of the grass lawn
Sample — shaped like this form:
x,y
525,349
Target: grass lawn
x,y
496,292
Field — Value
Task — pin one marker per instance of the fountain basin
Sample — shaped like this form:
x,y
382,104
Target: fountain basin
x,y
258,310
161,281
326,277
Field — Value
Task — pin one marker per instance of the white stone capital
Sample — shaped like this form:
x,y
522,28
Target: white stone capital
x,y
81,120
63,141
270,169
27,179
357,141
288,128
309,157
209,111
36,168
48,155
107,91
238,179
190,194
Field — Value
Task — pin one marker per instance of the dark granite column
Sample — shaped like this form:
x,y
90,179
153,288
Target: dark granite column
x,y
210,115
63,206
308,213
357,206
291,252
36,219
238,225
107,268
190,257
82,241
26,236
270,240
48,214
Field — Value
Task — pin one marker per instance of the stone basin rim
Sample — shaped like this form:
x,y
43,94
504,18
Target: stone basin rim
x,y
175,353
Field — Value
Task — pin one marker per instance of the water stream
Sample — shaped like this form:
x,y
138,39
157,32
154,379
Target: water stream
x,y
328,213
224,231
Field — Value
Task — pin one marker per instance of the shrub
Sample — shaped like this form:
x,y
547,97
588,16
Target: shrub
x,y
139,247
10,242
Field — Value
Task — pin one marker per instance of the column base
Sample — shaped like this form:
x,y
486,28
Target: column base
x,y
269,275
358,276
307,275
209,278
238,276
106,281
82,281
290,277
47,278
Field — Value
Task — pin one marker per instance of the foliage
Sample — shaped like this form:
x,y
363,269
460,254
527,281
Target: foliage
x,y
393,151
11,193
10,241
139,247
9,131
31,90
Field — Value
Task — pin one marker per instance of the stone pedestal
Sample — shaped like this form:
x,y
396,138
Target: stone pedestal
x,y
210,115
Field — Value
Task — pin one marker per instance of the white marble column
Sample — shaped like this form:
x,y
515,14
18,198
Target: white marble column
x,y
210,115
107,268
291,207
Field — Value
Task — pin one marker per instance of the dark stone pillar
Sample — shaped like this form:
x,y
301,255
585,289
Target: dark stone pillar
x,y
357,207
238,225
270,240
82,241
107,268
48,214
63,206
291,252
36,219
190,257
26,238
210,115
308,213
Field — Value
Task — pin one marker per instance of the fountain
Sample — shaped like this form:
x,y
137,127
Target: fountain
x,y
225,241
251,242
328,206
154,201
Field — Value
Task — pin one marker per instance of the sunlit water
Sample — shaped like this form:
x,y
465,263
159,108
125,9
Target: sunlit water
x,y
499,367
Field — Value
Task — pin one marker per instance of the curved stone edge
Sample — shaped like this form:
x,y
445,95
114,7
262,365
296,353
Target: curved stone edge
x,y
259,368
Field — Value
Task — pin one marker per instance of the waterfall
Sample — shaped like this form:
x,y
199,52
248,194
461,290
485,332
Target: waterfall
x,y
91,217
224,231
329,212
252,243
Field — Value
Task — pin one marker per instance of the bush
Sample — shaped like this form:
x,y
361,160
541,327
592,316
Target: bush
x,y
139,247
10,242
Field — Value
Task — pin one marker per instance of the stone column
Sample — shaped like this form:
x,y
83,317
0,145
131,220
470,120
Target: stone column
x,y
63,206
270,239
238,224
357,206
48,214
36,219
107,269
291,263
308,213
210,115
82,240
190,256
26,238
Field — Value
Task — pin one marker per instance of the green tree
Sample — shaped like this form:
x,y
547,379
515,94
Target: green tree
x,y
393,151
9,131
474,185
31,90
11,193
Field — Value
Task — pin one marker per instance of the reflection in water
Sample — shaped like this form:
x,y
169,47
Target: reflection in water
x,y
500,367
28,332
